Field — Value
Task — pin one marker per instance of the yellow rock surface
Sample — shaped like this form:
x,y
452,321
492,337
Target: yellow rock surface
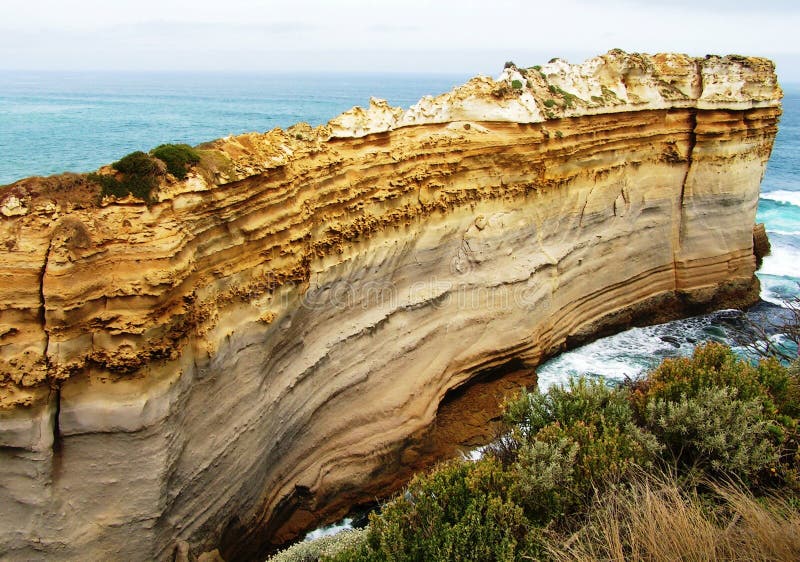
x,y
248,354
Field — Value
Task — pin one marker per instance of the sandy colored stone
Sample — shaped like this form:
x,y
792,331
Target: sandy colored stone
x,y
255,350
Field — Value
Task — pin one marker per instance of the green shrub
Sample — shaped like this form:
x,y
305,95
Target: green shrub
x,y
137,186
545,474
140,173
458,512
509,64
549,103
516,84
715,365
177,157
721,413
574,439
137,164
715,431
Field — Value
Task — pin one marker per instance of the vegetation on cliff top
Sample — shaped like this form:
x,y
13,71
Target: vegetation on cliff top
x,y
701,458
139,172
177,157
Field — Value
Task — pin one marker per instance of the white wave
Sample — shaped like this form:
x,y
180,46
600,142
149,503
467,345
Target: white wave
x,y
777,290
343,525
628,354
784,232
782,262
783,196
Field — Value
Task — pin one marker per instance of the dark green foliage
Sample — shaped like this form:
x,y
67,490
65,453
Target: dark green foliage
x,y
719,413
177,157
549,103
537,67
459,512
137,164
583,435
139,175
715,365
715,431
509,64
516,84
138,186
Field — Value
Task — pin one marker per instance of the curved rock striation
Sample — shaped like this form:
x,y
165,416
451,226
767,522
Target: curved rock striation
x,y
256,349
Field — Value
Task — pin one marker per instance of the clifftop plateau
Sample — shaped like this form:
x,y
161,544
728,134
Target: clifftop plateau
x,y
260,346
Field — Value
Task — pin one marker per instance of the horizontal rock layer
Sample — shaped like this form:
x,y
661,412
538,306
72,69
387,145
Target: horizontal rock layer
x,y
247,355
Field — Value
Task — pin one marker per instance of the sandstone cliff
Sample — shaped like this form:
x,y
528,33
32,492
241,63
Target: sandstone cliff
x,y
255,349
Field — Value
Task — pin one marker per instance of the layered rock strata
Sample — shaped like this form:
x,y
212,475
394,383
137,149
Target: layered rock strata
x,y
255,349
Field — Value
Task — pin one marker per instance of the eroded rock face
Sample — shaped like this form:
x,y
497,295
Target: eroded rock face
x,y
253,352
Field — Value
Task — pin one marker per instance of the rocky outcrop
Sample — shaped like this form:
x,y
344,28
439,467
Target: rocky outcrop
x,y
255,350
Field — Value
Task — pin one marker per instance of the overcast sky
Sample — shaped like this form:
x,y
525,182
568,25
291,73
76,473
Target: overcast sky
x,y
464,36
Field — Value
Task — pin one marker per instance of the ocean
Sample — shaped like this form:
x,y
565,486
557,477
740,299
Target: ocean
x,y
57,121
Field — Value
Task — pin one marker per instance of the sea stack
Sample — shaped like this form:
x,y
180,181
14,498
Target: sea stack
x,y
254,349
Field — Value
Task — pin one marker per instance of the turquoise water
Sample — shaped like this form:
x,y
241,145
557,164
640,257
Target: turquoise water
x,y
53,122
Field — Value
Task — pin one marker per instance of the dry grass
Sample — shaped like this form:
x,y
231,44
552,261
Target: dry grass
x,y
656,521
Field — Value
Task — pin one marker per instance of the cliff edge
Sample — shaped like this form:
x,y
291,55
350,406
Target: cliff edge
x,y
253,349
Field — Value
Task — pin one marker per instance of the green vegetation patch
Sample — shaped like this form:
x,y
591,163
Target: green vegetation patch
x,y
516,84
139,175
177,157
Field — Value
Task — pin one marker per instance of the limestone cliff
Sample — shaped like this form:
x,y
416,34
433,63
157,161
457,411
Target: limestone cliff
x,y
255,349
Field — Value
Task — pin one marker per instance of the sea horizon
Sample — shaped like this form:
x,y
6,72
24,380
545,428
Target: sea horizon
x,y
41,108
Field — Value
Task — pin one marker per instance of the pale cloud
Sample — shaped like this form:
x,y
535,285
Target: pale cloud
x,y
467,36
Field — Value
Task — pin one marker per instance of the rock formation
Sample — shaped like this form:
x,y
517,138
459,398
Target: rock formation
x,y
255,349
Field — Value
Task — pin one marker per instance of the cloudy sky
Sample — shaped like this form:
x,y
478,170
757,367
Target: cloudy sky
x,y
464,36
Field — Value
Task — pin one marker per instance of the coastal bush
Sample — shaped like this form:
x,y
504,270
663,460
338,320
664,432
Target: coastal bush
x,y
140,173
516,84
137,164
549,102
572,440
715,431
177,157
461,511
717,412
